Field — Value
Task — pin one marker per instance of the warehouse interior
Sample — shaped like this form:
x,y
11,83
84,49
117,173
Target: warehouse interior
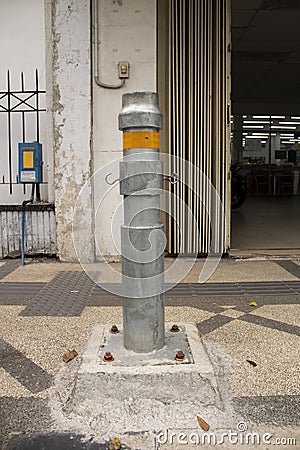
x,y
265,136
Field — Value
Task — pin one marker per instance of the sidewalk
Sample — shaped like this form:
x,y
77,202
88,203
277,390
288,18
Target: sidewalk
x,y
47,307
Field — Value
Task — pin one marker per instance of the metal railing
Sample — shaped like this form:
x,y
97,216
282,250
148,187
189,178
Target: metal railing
x,y
24,102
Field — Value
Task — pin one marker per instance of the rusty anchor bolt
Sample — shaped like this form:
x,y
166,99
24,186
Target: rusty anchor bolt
x,y
174,328
114,329
108,357
179,356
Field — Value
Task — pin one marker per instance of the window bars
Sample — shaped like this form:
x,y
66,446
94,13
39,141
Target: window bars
x,y
24,102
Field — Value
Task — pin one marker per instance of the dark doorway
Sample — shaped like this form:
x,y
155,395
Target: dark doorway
x,y
266,124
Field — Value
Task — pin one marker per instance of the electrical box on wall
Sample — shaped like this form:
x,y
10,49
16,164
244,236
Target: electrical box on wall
x,y
30,162
123,69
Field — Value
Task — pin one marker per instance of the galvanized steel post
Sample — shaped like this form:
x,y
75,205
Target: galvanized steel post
x,y
142,237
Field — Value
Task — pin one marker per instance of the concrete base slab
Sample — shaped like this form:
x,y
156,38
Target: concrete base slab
x,y
113,343
115,397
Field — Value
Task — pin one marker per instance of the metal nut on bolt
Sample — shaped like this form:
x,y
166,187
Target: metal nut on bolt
x,y
114,329
179,356
174,328
108,357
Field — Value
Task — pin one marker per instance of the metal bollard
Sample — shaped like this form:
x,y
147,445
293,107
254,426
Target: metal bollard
x,y
142,238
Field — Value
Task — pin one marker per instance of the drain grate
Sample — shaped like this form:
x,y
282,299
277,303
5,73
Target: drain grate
x,y
217,289
65,295
269,288
9,289
181,290
69,292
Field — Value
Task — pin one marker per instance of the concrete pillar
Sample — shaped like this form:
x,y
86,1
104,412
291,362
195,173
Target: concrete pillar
x,y
275,145
68,61
142,238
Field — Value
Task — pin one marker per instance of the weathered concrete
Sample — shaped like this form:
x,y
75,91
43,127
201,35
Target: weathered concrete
x,y
122,357
135,398
71,87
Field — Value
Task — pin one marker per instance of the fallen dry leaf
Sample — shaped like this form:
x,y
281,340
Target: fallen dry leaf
x,y
251,362
69,355
203,424
114,444
253,304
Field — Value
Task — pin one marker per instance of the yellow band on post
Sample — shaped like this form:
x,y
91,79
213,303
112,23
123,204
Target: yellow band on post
x,y
140,139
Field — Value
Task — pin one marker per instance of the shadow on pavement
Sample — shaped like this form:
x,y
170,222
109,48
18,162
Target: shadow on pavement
x,y
53,441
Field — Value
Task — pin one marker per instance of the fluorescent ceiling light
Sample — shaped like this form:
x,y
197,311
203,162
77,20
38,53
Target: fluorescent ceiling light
x,y
283,127
295,117
255,137
253,126
277,117
257,121
287,134
290,123
261,117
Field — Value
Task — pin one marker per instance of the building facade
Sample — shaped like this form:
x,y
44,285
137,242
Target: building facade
x,y
176,48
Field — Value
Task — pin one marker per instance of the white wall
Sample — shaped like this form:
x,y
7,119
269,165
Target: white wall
x,y
22,48
127,32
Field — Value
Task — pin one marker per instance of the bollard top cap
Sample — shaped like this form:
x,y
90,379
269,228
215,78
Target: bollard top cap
x,y
140,110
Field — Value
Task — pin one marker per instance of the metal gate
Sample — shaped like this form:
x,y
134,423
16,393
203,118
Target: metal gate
x,y
198,123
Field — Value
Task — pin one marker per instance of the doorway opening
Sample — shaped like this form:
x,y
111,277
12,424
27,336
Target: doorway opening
x,y
265,136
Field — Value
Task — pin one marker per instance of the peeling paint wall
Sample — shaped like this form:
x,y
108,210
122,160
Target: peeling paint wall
x,y
70,84
127,32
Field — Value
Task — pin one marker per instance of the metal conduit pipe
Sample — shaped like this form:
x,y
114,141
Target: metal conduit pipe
x,y
96,59
142,237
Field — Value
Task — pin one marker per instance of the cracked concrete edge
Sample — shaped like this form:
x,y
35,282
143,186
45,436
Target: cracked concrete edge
x,y
202,362
218,419
68,379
